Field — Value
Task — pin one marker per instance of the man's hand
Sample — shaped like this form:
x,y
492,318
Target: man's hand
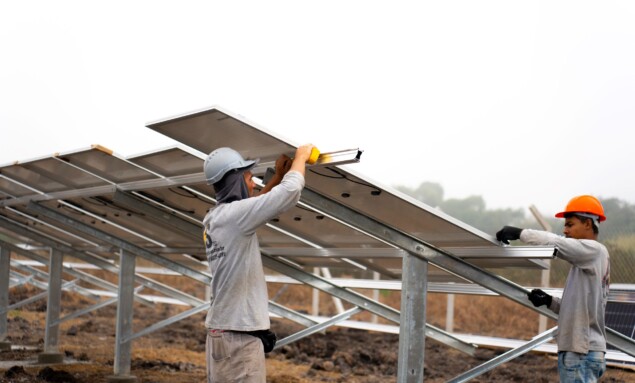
x,y
283,164
508,233
302,154
539,298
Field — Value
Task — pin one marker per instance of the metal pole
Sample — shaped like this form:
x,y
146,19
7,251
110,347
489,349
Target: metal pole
x,y
291,315
315,296
318,327
167,322
51,353
123,344
5,262
339,307
412,328
375,296
449,315
505,357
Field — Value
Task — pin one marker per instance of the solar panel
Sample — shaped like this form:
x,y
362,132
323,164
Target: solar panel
x,y
212,128
620,311
620,316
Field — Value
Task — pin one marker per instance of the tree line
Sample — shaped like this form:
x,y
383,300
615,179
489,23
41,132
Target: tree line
x,y
473,211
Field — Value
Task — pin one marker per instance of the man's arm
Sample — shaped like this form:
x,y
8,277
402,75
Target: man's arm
x,y
284,164
579,252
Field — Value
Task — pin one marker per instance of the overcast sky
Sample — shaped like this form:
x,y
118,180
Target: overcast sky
x,y
523,103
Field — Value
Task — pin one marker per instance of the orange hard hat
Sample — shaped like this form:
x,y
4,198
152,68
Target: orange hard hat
x,y
584,204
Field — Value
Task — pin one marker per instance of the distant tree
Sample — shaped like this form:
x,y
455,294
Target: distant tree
x,y
471,210
430,193
620,218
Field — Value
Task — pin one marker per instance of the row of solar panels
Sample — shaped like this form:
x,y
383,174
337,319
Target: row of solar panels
x,y
96,187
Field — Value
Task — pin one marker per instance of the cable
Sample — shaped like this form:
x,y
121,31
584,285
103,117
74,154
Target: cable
x,y
188,195
376,190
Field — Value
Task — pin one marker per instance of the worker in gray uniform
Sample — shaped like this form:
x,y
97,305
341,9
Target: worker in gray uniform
x,y
237,322
581,334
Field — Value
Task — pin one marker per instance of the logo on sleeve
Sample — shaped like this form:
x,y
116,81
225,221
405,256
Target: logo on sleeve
x,y
213,249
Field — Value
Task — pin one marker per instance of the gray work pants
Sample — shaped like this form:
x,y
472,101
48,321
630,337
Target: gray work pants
x,y
234,357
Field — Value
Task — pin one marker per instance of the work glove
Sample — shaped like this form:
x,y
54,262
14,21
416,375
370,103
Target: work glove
x,y
539,298
267,337
508,233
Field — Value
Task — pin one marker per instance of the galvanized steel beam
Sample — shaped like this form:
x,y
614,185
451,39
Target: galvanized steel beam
x,y
53,308
18,281
87,310
135,203
120,243
505,357
98,261
167,322
123,345
69,270
318,327
359,300
292,315
39,296
412,340
5,261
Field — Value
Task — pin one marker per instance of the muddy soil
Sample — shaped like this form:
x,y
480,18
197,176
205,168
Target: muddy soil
x,y
176,353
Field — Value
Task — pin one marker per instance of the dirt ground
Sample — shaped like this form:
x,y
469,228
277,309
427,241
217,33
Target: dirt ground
x,y
176,353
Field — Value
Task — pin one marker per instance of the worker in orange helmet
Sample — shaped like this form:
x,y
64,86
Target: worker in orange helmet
x,y
581,333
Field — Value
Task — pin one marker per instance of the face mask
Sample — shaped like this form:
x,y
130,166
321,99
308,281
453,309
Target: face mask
x,y
231,187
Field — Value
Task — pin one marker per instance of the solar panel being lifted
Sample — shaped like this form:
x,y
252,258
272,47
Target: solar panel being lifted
x,y
96,186
212,128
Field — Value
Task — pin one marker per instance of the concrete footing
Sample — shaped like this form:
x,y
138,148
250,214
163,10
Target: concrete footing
x,y
50,358
121,379
5,346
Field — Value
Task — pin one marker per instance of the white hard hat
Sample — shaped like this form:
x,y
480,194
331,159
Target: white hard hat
x,y
222,160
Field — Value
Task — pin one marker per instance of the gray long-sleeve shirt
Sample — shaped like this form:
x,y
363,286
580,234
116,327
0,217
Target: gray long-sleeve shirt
x,y
583,303
239,291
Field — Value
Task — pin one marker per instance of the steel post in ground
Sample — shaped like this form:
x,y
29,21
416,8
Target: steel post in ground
x,y
123,344
5,261
51,352
449,314
412,327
